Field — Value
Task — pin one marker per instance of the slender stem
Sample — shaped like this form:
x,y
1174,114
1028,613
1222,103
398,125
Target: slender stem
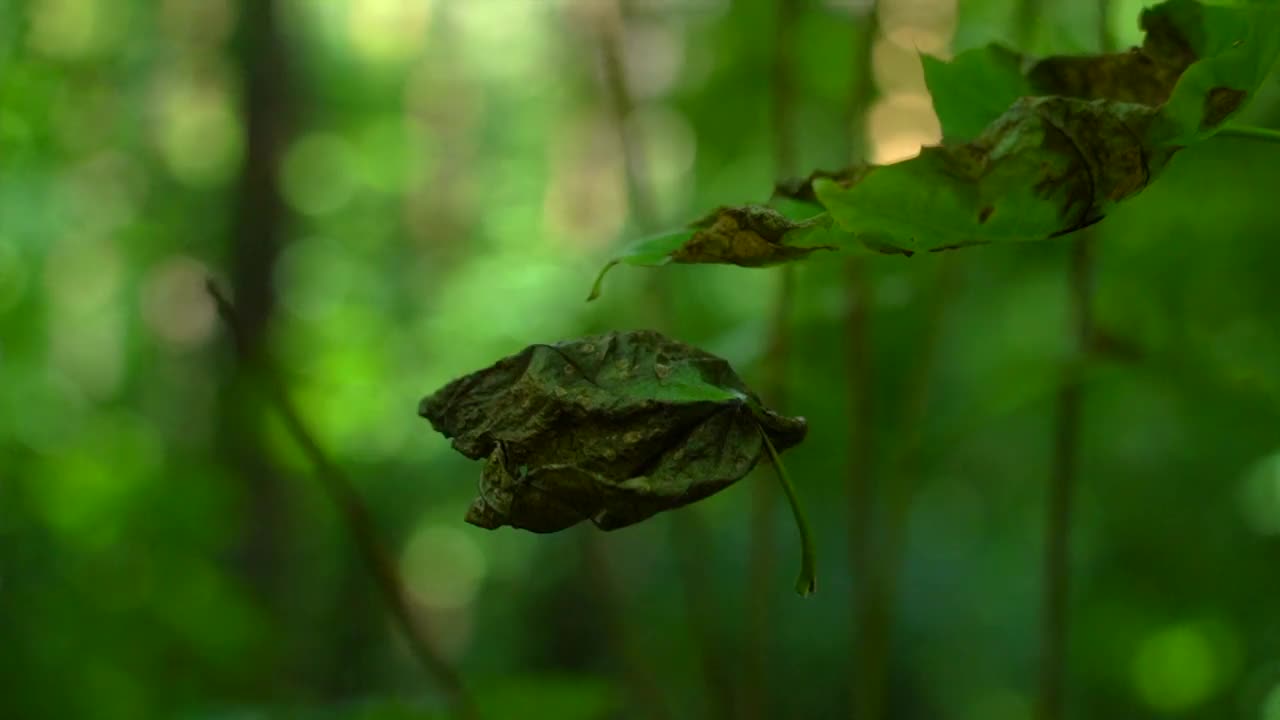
x,y
807,582
902,478
1055,590
756,693
1062,480
693,541
763,533
645,687
358,520
1250,133
869,663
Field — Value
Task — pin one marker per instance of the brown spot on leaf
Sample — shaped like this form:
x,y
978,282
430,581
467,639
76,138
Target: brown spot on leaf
x,y
1219,104
749,236
985,214
801,188
1143,75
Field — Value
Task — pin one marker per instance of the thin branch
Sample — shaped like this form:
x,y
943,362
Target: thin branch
x,y
1062,479
357,518
1256,134
1055,590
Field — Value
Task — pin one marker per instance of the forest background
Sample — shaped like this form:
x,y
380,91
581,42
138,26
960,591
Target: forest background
x,y
399,192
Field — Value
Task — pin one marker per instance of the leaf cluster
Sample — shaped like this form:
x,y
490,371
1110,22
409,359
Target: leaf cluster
x,y
1032,149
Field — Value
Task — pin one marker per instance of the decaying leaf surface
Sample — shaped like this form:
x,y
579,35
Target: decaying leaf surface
x,y
1081,133
611,428
747,236
1197,64
1047,167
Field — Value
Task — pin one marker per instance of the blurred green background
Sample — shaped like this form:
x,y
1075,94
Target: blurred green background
x,y
403,191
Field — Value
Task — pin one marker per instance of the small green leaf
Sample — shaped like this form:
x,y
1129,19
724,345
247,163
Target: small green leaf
x,y
747,236
974,89
652,251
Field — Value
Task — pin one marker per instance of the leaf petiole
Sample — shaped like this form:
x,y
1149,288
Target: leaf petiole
x,y
1244,132
807,583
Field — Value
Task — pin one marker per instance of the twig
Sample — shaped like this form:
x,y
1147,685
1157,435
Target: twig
x,y
359,523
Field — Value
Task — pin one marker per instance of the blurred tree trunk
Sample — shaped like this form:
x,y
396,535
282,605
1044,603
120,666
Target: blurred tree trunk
x,y
253,247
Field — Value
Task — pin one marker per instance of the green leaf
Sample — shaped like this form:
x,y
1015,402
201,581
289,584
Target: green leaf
x,y
1101,128
611,428
974,89
1238,47
1034,149
1046,167
652,251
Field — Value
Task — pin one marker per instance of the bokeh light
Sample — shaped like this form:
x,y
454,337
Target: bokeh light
x,y
1181,666
1259,496
175,304
319,173
200,135
443,566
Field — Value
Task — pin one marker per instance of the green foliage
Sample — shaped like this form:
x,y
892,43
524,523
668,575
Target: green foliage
x,y
1032,150
1236,47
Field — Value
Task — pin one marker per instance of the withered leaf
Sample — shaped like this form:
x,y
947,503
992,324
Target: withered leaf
x,y
611,428
747,236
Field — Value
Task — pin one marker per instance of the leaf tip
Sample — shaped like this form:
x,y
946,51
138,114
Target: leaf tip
x,y
806,586
596,286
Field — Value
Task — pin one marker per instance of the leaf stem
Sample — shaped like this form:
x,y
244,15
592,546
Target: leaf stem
x,y
1245,132
807,583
